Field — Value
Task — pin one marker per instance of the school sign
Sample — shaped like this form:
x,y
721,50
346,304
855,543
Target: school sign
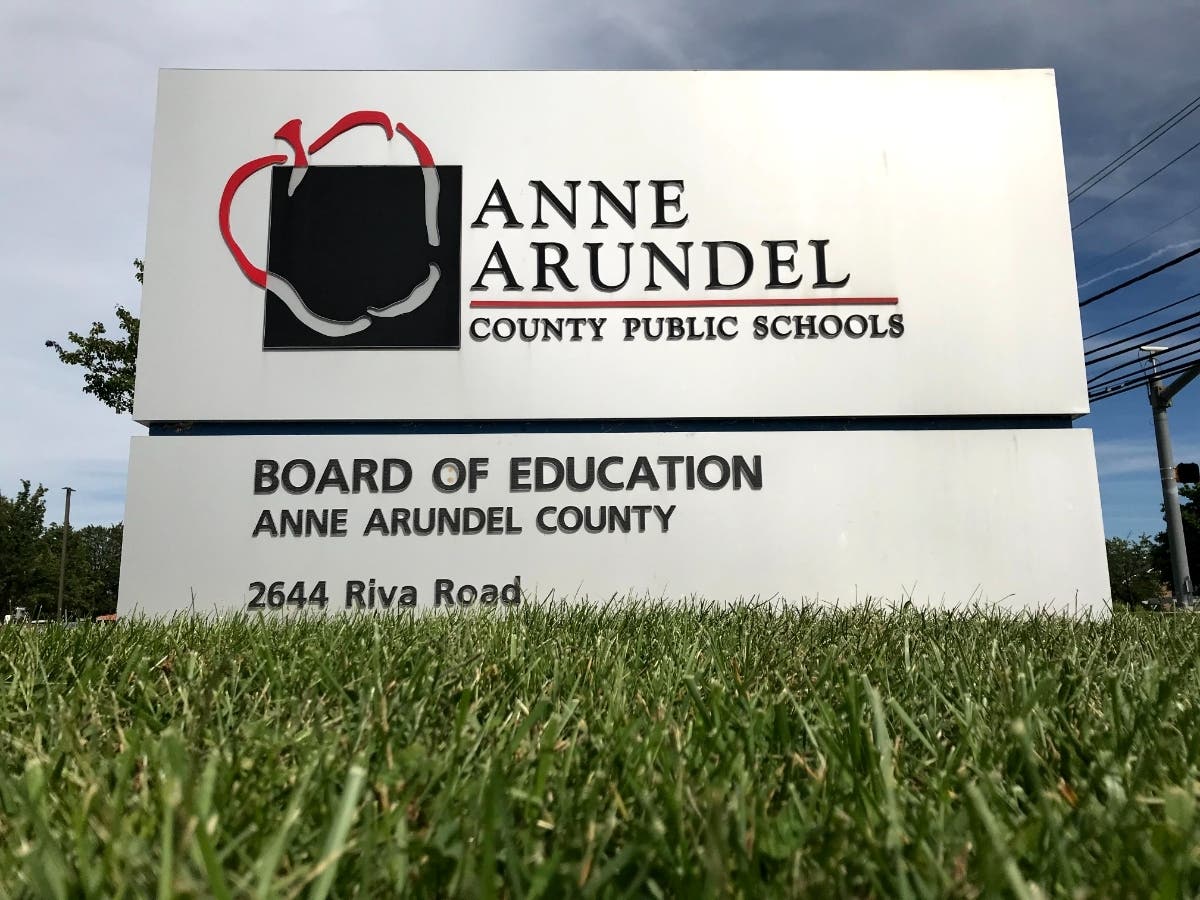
x,y
435,339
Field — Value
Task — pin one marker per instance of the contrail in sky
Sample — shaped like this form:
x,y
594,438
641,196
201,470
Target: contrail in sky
x,y
1133,265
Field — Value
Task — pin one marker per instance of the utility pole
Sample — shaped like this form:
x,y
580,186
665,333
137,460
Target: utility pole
x,y
63,562
1160,400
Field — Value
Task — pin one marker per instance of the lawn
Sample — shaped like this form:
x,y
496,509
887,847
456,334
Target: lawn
x,y
583,751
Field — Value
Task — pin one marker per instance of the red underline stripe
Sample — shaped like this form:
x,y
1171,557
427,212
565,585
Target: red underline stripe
x,y
673,304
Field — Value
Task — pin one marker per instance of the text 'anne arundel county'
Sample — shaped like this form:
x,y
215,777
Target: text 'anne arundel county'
x,y
698,270
522,475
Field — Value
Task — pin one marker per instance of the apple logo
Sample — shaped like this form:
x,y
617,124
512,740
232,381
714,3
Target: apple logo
x,y
359,257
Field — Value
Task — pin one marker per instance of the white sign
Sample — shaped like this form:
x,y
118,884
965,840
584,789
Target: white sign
x,y
549,245
347,523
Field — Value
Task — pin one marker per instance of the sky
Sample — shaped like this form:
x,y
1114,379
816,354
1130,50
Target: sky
x,y
77,92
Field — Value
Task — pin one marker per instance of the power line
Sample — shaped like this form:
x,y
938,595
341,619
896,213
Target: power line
x,y
1104,171
1108,395
1173,364
1133,384
1118,199
1144,378
1100,262
1136,278
1088,337
1133,337
1157,337
1135,360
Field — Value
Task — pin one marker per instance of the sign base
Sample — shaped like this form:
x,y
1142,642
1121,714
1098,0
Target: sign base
x,y
347,523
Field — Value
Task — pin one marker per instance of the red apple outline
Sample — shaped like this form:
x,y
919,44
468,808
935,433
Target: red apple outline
x,y
290,133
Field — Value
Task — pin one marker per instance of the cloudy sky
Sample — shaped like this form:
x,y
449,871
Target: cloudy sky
x,y
77,104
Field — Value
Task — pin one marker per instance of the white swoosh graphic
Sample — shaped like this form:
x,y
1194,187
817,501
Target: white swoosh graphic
x,y
433,190
321,325
416,297
297,176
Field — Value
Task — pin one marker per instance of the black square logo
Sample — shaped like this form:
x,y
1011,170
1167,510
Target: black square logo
x,y
363,257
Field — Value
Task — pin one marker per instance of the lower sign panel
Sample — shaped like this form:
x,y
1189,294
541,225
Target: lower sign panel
x,y
337,523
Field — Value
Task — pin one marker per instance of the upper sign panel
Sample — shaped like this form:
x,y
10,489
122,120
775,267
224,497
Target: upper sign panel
x,y
542,245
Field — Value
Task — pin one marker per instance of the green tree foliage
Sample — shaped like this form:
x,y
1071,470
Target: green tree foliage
x,y
1134,576
1189,507
30,554
24,563
93,568
108,362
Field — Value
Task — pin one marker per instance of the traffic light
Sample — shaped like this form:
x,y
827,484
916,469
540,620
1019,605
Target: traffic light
x,y
1187,473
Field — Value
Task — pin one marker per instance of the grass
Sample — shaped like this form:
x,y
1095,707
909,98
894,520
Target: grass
x,y
603,753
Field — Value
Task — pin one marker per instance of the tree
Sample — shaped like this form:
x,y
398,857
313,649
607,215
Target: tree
x,y
99,564
94,552
108,362
26,566
30,552
1189,508
1133,575
93,568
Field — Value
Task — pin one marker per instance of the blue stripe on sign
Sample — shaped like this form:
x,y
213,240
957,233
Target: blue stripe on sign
x,y
631,426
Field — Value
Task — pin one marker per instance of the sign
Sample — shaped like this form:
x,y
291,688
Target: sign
x,y
272,524
573,245
357,282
